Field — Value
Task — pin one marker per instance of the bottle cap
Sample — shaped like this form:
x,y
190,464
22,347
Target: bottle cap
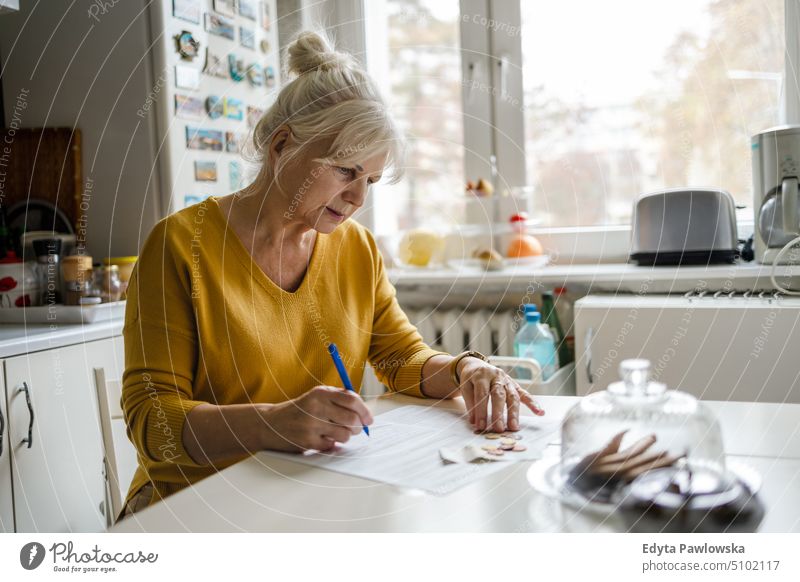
x,y
529,307
533,316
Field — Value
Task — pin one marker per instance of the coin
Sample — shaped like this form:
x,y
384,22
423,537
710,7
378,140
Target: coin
x,y
489,448
508,441
492,435
507,447
519,448
496,452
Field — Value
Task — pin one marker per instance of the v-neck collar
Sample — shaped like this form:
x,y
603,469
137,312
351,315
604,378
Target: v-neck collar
x,y
246,259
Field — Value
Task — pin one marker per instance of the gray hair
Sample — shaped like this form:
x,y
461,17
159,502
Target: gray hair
x,y
331,98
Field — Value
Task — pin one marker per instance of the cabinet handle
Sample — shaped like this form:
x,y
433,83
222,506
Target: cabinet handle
x,y
2,430
588,354
27,391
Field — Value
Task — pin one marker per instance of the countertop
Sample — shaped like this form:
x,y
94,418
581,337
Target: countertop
x,y
18,339
267,494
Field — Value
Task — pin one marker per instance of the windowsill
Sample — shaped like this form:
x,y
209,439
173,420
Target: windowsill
x,y
609,277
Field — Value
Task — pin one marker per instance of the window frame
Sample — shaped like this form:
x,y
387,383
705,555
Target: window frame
x,y
492,99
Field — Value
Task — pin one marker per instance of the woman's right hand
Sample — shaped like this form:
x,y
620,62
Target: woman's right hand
x,y
316,420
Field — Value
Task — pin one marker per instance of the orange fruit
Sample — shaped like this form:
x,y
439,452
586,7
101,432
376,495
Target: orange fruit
x,y
524,246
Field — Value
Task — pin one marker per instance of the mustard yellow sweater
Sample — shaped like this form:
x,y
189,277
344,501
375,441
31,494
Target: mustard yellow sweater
x,y
205,324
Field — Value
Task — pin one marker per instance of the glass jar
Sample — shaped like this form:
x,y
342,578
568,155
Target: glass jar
x,y
611,437
107,283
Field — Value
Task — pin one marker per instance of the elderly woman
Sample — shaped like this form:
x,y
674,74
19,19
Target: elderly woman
x,y
234,300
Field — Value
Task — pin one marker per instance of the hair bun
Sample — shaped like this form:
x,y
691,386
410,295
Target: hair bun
x,y
310,51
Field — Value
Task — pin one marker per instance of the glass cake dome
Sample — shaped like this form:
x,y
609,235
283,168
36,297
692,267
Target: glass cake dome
x,y
611,437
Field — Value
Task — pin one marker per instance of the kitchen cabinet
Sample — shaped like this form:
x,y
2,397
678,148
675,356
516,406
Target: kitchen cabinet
x,y
54,436
6,499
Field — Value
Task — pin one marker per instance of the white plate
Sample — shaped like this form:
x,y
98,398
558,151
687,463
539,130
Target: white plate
x,y
477,265
547,478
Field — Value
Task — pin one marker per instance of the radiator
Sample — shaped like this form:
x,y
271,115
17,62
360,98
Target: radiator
x,y
487,331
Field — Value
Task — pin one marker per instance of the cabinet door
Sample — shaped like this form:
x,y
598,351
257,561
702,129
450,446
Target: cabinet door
x,y
6,500
58,477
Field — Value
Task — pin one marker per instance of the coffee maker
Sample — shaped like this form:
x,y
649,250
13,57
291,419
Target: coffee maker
x,y
776,160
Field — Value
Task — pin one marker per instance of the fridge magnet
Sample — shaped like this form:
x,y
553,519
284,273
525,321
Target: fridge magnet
x,y
225,7
247,37
192,199
188,10
233,142
187,45
247,9
205,171
236,68
187,78
269,76
255,75
264,45
265,17
253,115
234,109
203,139
219,25
187,107
214,65
234,175
214,107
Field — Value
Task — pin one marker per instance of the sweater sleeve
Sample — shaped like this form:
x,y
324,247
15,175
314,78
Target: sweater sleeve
x,y
397,352
161,351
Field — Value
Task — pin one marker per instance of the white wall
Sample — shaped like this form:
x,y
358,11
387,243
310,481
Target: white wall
x,y
94,74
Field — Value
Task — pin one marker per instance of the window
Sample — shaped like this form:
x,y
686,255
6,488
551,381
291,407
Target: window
x,y
421,78
636,96
616,99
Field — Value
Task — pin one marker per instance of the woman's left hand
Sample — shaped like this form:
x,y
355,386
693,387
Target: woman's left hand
x,y
482,384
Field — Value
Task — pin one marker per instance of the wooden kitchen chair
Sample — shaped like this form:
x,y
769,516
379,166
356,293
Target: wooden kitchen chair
x,y
120,454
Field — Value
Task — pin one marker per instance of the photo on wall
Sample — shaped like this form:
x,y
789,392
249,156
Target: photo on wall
x,y
234,142
205,171
204,139
187,78
247,37
247,9
188,10
226,7
220,26
187,107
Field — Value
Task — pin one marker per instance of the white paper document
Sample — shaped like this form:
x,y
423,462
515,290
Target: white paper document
x,y
403,449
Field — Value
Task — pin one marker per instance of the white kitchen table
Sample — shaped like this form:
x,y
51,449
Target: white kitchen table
x,y
269,494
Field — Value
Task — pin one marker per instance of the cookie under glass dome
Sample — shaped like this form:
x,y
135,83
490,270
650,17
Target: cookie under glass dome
x,y
611,437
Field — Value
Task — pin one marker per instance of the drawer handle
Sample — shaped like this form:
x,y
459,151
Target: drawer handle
x,y
27,392
2,429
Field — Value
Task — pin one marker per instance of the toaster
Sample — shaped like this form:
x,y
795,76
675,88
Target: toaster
x,y
684,227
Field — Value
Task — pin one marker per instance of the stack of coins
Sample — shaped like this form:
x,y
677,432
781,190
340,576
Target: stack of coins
x,y
507,442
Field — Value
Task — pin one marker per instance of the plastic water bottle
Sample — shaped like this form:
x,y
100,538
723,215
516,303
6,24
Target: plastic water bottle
x,y
533,340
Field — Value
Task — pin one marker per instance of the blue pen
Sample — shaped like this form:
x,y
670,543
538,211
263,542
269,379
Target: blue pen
x,y
337,361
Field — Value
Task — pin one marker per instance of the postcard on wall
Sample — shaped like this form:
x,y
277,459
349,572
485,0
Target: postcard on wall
x,y
226,7
247,9
253,115
233,142
191,199
204,139
234,175
205,171
219,25
247,37
188,10
187,78
266,20
187,107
